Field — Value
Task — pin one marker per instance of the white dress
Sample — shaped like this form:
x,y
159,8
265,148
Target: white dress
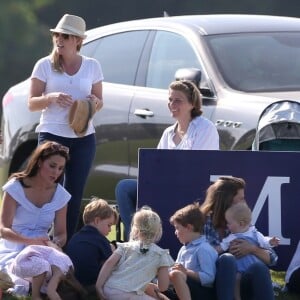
x,y
29,220
34,260
135,269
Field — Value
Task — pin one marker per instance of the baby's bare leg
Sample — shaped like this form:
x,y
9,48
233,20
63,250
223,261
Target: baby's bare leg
x,y
37,282
53,283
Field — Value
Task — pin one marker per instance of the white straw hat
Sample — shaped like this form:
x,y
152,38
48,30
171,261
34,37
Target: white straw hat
x,y
70,24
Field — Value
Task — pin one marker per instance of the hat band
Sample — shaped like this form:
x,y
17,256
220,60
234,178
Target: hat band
x,y
71,29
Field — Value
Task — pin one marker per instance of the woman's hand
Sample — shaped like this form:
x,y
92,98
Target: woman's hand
x,y
61,99
240,248
43,241
54,245
98,102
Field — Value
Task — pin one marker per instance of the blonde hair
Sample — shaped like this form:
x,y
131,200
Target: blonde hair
x,y
99,208
240,212
146,226
56,59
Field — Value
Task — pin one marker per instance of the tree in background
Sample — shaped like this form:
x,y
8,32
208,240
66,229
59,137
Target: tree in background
x,y
22,40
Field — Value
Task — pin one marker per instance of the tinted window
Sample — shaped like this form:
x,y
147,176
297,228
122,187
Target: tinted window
x,y
89,49
258,61
119,55
170,52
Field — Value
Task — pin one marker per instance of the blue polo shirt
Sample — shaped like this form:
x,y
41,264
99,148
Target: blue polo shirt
x,y
88,250
201,257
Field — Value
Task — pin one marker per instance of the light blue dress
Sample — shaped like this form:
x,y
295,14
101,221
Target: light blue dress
x,y
29,220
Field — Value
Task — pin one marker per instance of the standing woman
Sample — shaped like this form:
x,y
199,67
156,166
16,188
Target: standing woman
x,y
256,282
56,82
191,131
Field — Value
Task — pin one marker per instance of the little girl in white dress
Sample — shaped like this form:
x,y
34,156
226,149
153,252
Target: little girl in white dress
x,y
128,272
44,265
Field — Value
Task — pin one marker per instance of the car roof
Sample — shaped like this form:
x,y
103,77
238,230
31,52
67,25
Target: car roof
x,y
209,24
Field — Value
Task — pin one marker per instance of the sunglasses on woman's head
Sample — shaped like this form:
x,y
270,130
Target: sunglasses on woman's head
x,y
64,35
54,147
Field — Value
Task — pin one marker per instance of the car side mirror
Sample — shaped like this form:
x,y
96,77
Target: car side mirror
x,y
191,74
194,75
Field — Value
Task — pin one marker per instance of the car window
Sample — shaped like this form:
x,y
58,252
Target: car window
x,y
170,52
258,61
119,55
88,49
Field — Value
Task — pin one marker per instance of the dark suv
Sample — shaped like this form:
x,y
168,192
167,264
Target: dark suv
x,y
246,62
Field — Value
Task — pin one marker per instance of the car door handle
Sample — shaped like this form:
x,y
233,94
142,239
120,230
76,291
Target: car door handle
x,y
143,113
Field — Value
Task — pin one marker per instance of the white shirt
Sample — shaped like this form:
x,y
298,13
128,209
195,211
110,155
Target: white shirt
x,y
55,119
202,134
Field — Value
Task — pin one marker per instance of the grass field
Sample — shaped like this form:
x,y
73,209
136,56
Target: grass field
x,y
277,277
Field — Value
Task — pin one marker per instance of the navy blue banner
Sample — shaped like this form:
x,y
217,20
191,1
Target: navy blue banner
x,y
169,180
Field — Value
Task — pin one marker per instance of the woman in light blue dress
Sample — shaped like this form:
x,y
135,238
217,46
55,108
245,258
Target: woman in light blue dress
x,y
33,201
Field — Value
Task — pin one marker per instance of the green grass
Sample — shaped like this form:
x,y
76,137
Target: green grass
x,y
277,277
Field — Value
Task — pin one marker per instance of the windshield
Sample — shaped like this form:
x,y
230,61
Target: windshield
x,y
255,62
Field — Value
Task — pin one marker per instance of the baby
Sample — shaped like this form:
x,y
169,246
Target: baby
x,y
238,218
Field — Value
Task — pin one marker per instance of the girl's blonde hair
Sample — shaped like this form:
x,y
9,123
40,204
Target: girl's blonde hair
x,y
146,226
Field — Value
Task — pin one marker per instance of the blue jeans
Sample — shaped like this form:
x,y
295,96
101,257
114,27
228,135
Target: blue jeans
x,y
198,291
225,277
256,283
126,196
82,152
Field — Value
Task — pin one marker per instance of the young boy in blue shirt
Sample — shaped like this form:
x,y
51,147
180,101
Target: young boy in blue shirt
x,y
194,271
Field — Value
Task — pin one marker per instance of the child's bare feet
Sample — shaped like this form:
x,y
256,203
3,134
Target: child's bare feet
x,y
53,283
